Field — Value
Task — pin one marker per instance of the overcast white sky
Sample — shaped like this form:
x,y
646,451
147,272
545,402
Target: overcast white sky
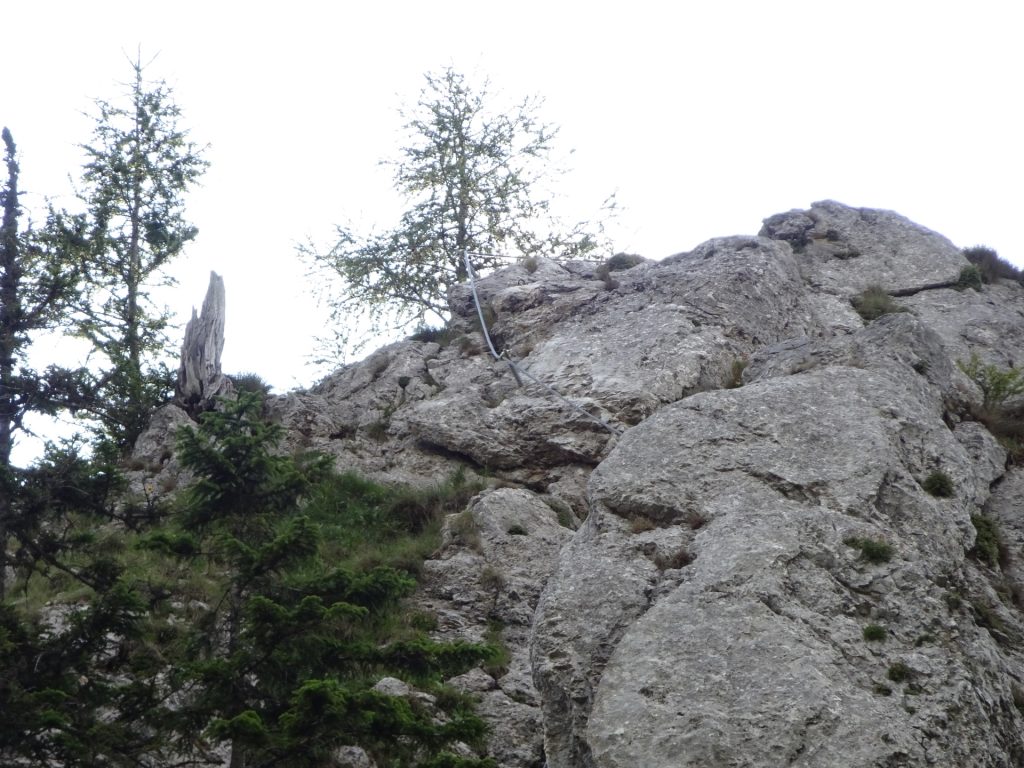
x,y
705,117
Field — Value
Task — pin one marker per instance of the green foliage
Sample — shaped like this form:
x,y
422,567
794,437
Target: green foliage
x,y
281,662
970,277
871,550
471,174
989,547
623,261
873,302
38,280
250,382
997,384
990,265
873,633
67,664
899,672
140,165
939,484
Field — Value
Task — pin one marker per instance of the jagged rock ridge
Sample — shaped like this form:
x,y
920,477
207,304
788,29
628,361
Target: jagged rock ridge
x,y
710,609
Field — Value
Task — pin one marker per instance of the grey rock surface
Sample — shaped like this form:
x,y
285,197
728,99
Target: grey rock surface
x,y
692,585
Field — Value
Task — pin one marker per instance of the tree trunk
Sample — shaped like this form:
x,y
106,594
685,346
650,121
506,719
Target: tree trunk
x,y
10,327
200,379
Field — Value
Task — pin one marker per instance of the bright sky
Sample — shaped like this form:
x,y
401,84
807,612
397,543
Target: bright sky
x,y
704,117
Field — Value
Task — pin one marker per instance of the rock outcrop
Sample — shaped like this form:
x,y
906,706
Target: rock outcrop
x,y
752,566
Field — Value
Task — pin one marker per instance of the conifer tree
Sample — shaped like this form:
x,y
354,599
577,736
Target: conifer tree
x,y
280,664
140,165
38,280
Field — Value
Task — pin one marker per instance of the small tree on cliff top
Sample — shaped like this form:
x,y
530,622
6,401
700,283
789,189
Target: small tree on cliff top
x,y
471,178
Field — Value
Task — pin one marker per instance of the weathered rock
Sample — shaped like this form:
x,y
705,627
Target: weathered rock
x,y
484,585
752,653
765,441
843,250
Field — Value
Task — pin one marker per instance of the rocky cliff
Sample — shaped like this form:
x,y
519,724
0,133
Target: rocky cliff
x,y
768,554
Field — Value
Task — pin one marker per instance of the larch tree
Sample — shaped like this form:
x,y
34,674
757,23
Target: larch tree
x,y
471,176
140,165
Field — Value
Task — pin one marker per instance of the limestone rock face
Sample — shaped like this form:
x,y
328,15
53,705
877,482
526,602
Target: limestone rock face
x,y
721,550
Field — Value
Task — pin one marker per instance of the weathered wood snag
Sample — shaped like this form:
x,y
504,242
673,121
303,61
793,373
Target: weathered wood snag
x,y
200,380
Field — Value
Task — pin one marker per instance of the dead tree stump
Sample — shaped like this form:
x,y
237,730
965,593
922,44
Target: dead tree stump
x,y
200,379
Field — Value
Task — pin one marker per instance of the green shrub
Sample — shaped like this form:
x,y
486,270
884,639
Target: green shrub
x,y
970,277
871,550
899,672
874,302
530,264
988,544
939,484
378,430
874,633
250,382
997,384
623,261
990,265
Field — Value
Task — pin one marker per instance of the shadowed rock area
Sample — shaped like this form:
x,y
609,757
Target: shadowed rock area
x,y
753,566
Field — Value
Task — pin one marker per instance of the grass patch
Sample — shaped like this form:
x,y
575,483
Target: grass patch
x,y
502,657
939,484
899,672
366,524
678,559
873,633
970,277
989,547
874,302
871,550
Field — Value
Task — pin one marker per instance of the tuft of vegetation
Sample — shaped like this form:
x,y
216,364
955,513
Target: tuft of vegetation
x,y
517,530
678,559
990,265
250,382
735,377
939,484
873,633
970,277
463,527
623,261
442,334
641,523
497,666
530,264
899,672
997,384
874,302
989,547
1003,419
871,550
